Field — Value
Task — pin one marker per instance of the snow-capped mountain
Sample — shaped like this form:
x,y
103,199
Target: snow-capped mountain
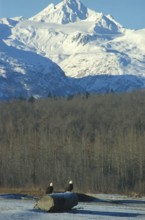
x,y
73,46
65,12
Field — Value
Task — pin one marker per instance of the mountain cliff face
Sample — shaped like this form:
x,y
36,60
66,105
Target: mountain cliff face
x,y
68,48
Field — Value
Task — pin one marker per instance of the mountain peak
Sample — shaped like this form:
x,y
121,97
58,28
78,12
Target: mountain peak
x,y
68,11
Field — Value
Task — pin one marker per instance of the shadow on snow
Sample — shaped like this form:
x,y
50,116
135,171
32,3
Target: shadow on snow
x,y
102,213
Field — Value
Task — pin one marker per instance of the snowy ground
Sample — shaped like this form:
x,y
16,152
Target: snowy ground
x,y
107,207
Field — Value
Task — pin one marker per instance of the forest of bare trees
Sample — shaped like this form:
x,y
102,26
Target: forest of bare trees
x,y
98,141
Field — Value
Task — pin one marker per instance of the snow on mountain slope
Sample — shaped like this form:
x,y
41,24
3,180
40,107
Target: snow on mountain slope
x,y
11,22
6,24
105,24
111,83
85,44
121,55
25,74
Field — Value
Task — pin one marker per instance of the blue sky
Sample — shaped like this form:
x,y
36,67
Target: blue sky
x,y
130,13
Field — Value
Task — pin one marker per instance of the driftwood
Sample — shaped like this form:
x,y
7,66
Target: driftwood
x,y
57,202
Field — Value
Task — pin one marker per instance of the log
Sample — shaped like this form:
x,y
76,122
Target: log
x,y
57,202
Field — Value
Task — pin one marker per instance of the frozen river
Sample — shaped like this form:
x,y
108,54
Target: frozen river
x,y
113,207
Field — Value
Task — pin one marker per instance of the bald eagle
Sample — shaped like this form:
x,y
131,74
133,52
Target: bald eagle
x,y
49,189
69,188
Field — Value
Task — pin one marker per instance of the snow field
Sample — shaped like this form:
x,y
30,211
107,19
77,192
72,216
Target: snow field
x,y
126,209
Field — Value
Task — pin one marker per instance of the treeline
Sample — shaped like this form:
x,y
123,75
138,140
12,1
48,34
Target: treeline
x,y
98,141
